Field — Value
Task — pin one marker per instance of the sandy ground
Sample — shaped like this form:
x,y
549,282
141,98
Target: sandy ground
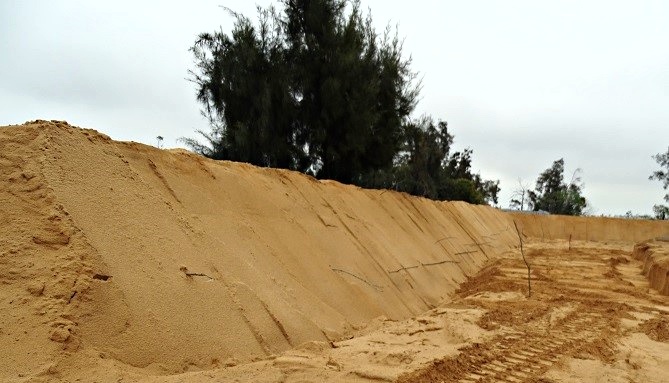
x,y
120,262
591,318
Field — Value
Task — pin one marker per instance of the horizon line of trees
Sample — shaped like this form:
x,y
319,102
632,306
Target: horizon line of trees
x,y
313,87
553,195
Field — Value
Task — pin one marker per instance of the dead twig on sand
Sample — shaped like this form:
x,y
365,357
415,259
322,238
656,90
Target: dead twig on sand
x,y
375,287
443,239
198,275
466,252
422,264
522,252
190,274
403,269
439,263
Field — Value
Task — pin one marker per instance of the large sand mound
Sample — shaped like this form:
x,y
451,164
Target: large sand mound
x,y
166,260
120,253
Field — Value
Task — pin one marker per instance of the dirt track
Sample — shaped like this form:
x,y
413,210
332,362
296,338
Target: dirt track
x,y
585,302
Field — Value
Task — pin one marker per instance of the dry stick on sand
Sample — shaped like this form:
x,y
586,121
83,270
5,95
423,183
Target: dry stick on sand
x,y
421,264
376,287
529,280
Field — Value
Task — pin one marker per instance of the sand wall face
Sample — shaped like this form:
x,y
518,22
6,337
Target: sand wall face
x,y
597,229
42,257
165,260
168,261
655,256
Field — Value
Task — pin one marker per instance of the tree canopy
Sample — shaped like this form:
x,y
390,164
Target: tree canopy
x,y
313,87
662,211
425,166
553,195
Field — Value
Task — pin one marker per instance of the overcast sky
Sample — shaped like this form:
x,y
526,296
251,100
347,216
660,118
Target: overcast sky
x,y
522,83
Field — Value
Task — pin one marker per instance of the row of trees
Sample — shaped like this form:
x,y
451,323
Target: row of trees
x,y
552,194
313,87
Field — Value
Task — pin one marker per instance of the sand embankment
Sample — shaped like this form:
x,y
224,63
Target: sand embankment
x,y
122,254
165,260
655,256
597,229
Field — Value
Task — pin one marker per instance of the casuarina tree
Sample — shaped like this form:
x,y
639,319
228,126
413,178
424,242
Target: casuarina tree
x,y
313,87
553,195
662,211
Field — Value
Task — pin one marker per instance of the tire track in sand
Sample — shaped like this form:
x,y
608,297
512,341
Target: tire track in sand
x,y
517,356
528,347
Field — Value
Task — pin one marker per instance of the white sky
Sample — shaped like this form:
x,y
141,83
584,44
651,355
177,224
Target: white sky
x,y
523,83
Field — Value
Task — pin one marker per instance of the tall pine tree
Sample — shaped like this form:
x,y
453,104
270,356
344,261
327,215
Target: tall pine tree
x,y
314,88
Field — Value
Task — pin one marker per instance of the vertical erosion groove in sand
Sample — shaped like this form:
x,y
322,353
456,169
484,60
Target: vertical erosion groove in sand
x,y
655,256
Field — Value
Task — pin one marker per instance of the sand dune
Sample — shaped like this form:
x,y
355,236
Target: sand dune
x,y
120,260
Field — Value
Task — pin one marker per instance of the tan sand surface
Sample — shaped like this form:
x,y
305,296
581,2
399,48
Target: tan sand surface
x,y
655,256
122,262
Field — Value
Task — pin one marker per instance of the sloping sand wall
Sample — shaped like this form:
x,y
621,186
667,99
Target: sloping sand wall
x,y
166,260
655,256
599,229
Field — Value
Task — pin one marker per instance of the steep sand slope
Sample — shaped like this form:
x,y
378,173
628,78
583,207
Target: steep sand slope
x,y
655,256
43,260
167,261
121,257
600,229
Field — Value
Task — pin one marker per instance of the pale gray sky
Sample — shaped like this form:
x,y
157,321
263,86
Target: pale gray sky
x,y
523,83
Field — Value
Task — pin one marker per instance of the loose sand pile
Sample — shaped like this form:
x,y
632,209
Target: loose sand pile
x,y
122,262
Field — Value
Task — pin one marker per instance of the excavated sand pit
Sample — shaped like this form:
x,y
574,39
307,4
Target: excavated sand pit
x,y
122,262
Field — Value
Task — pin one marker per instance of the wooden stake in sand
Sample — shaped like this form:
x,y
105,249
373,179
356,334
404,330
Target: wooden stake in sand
x,y
529,279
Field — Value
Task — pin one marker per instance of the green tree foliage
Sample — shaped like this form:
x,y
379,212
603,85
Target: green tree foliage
x,y
426,167
662,211
553,195
355,89
314,88
243,87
